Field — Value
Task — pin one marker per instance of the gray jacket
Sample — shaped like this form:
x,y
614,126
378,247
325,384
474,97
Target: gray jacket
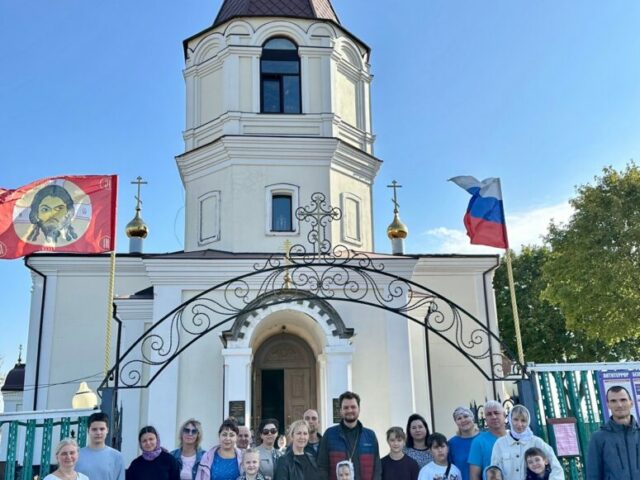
x,y
614,452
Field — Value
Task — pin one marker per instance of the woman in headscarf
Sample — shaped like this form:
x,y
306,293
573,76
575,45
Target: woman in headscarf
x,y
155,462
508,451
460,443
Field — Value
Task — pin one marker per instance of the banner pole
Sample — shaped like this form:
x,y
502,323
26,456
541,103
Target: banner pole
x,y
514,307
111,288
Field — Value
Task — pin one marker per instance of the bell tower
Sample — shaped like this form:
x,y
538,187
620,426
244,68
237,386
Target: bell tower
x,y
278,107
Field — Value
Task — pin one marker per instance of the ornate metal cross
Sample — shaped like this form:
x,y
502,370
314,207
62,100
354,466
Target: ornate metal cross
x,y
319,214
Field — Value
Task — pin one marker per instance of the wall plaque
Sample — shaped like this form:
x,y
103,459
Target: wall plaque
x,y
237,410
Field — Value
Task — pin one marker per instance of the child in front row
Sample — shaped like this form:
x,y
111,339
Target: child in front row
x,y
397,465
440,468
493,472
344,470
538,467
251,465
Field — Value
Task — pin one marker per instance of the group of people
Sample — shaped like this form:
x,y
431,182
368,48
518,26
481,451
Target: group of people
x,y
350,451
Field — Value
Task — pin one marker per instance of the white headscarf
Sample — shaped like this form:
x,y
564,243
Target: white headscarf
x,y
348,463
527,434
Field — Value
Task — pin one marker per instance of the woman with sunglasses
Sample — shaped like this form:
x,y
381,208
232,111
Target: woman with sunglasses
x,y
189,454
224,461
269,454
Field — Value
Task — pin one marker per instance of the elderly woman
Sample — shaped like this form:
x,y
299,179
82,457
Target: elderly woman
x,y
189,454
460,443
417,433
297,464
269,454
224,461
66,456
155,462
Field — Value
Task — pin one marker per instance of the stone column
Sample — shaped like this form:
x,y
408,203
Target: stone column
x,y
237,379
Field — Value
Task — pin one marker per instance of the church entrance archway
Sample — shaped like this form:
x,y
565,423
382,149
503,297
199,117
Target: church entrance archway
x,y
284,380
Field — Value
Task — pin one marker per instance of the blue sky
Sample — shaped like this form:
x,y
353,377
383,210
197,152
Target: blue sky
x,y
542,94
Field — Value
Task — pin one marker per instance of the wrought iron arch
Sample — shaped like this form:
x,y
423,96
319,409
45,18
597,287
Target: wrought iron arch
x,y
326,273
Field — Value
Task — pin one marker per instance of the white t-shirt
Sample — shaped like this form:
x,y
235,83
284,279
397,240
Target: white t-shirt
x,y
433,471
80,476
187,467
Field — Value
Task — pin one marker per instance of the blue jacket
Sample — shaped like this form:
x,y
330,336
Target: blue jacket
x,y
334,447
177,454
614,452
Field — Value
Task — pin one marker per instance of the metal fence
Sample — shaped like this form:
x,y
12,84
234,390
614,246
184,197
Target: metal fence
x,y
28,438
572,390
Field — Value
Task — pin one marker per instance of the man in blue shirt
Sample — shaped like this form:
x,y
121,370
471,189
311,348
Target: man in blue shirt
x,y
482,446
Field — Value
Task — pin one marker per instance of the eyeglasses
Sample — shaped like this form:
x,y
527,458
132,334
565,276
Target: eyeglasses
x,y
268,431
190,431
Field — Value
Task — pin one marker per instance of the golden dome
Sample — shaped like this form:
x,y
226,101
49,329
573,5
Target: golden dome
x,y
397,229
136,228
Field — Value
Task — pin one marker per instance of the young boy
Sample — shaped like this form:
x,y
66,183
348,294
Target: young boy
x,y
440,468
537,464
97,460
397,465
251,465
493,472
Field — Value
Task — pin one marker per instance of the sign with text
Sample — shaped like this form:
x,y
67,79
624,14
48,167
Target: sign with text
x,y
565,433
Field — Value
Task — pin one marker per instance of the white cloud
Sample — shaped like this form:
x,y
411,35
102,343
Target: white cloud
x,y
524,228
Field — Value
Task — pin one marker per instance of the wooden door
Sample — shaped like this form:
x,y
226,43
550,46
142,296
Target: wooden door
x,y
297,393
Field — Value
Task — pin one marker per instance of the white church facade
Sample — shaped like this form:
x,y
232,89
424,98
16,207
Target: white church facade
x,y
277,110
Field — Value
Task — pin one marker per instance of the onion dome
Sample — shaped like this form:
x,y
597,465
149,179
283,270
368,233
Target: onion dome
x,y
14,382
136,228
397,229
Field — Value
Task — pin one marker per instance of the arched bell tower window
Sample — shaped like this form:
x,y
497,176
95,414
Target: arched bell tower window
x,y
280,77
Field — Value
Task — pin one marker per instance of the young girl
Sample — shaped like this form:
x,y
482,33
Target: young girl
x,y
508,451
344,470
537,464
251,465
440,468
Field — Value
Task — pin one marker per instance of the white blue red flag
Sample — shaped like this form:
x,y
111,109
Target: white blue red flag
x,y
484,219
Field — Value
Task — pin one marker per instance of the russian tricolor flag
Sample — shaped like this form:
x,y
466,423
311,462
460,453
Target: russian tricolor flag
x,y
484,219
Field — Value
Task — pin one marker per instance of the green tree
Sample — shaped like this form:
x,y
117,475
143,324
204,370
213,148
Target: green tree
x,y
593,271
545,336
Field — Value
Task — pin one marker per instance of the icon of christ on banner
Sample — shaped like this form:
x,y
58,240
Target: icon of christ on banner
x,y
61,214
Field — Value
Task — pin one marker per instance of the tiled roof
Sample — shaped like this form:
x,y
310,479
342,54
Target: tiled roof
x,y
314,9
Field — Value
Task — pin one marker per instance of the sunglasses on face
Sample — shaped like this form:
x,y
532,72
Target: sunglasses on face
x,y
190,431
268,431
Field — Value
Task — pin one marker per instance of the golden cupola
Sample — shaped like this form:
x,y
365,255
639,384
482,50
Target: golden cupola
x,y
396,231
136,229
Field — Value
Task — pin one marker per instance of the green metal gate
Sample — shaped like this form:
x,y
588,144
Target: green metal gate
x,y
28,439
572,390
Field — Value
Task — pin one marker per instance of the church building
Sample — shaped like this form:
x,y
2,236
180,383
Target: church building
x,y
278,136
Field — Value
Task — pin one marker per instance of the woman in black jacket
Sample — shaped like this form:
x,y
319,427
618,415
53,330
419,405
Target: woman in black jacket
x,y
296,464
155,462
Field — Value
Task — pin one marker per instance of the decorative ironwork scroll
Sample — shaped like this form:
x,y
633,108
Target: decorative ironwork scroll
x,y
325,272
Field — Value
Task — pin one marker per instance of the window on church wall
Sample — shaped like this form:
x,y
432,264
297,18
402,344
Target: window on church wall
x,y
281,204
280,77
281,220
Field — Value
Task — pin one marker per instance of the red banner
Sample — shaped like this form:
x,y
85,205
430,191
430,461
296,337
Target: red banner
x,y
61,214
